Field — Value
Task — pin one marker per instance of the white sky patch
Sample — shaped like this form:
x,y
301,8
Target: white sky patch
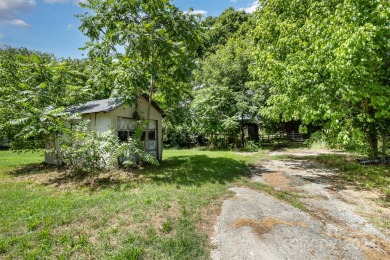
x,y
10,9
76,2
19,23
70,26
56,1
233,1
196,12
17,5
250,9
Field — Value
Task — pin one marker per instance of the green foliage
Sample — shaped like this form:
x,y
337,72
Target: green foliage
x,y
354,141
140,47
164,207
250,146
326,63
218,30
85,151
224,97
35,88
132,152
181,135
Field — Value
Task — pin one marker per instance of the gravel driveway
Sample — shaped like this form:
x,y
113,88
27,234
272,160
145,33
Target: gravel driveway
x,y
254,225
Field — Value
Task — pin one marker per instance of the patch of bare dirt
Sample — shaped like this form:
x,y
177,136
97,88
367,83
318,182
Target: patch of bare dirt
x,y
265,225
209,216
375,248
277,179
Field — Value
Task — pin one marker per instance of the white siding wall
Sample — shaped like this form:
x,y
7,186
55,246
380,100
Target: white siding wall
x,y
122,111
50,157
154,115
142,108
99,122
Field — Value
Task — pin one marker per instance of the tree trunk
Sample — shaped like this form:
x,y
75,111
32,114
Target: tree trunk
x,y
242,131
372,133
148,113
211,143
384,147
373,141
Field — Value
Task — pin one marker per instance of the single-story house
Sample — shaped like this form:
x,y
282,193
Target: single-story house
x,y
113,114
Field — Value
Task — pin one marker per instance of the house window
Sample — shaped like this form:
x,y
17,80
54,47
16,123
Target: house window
x,y
122,135
152,135
127,127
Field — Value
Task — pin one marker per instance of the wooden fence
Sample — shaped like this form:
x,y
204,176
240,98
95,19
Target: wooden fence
x,y
294,136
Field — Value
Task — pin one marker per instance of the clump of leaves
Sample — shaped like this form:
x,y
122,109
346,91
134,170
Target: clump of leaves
x,y
85,151
132,153
250,146
91,152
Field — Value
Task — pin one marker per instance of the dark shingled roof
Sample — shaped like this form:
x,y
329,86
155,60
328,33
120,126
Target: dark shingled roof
x,y
95,106
105,105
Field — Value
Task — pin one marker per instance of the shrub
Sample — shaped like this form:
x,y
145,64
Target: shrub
x,y
132,152
88,152
250,146
91,152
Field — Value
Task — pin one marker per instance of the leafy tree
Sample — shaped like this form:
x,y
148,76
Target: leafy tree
x,y
224,98
147,46
183,127
326,61
35,88
218,30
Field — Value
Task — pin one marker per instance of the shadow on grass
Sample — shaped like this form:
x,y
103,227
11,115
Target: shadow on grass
x,y
197,170
29,169
178,170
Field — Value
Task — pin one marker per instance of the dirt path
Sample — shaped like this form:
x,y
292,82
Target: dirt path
x,y
253,225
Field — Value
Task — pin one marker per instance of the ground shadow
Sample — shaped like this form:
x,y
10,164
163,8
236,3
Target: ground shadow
x,y
259,170
179,170
197,169
317,173
29,169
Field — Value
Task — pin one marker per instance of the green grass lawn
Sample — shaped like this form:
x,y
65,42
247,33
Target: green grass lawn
x,y
9,160
165,213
